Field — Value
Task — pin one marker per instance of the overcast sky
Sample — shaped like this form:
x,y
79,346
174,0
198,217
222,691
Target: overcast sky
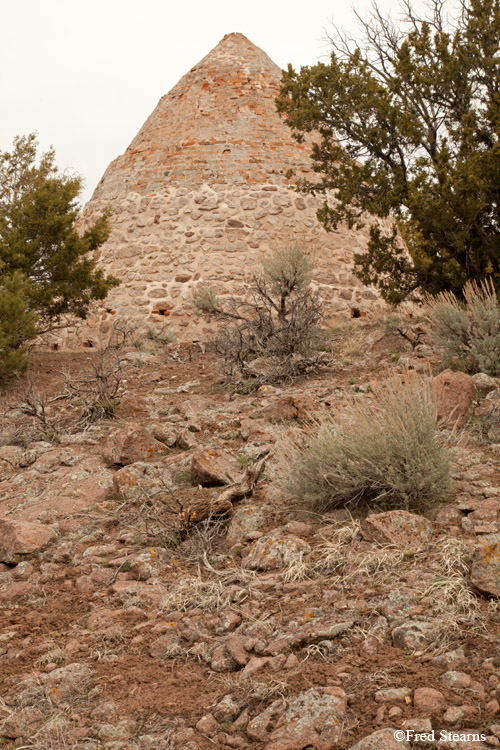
x,y
86,74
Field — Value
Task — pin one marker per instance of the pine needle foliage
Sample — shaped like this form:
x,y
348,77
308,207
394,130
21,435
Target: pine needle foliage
x,y
17,323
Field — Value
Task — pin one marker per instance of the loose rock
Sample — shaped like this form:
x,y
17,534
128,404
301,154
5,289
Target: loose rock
x,y
18,539
454,393
383,739
273,552
398,528
312,718
132,443
485,571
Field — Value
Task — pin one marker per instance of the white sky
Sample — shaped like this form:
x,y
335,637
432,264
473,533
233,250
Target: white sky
x,y
85,74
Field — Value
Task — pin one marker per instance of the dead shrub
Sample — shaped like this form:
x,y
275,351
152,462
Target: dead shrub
x,y
161,335
45,425
125,331
98,390
273,334
19,436
383,453
95,394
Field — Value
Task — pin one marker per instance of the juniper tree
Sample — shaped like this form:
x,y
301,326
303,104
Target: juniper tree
x,y
38,239
46,267
17,323
409,126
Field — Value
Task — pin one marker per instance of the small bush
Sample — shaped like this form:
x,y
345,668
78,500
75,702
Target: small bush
x,y
468,333
161,335
99,388
205,299
45,425
273,334
386,453
287,270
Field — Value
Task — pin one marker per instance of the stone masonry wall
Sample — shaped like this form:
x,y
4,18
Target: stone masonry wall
x,y
201,196
165,244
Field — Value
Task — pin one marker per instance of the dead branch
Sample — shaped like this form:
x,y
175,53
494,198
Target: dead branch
x,y
99,388
222,506
36,405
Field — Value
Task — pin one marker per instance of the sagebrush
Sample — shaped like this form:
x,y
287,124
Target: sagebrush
x,y
468,332
383,453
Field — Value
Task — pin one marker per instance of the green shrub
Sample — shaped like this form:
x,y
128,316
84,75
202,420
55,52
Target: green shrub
x,y
17,323
384,453
468,333
38,238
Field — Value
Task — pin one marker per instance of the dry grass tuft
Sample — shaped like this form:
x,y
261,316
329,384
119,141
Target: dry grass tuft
x,y
337,557
196,593
377,564
52,729
54,656
455,607
349,342
296,568
332,556
252,691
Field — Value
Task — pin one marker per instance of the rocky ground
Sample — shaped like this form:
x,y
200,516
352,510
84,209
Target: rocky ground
x,y
132,618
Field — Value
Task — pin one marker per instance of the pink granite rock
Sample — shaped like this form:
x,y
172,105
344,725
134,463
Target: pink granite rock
x,y
454,393
398,528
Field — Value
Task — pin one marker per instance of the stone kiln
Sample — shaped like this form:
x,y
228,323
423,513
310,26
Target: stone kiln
x,y
201,196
